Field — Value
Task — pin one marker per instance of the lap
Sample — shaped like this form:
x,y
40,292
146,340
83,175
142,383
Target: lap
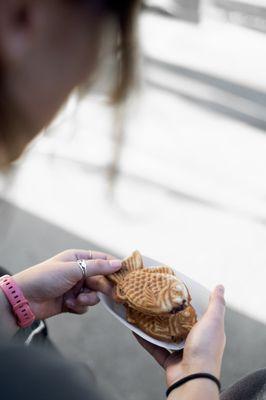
x,y
251,387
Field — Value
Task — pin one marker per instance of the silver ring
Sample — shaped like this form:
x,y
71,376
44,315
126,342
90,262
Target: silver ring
x,y
83,266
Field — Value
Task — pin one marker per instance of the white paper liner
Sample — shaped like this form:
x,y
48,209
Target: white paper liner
x,y
199,294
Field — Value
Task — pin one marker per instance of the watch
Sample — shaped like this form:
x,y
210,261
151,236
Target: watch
x,y
20,305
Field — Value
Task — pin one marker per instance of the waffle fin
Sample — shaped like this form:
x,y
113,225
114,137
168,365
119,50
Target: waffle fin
x,y
129,264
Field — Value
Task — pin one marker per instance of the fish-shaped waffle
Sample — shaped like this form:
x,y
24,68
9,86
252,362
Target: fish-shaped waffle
x,y
152,291
173,328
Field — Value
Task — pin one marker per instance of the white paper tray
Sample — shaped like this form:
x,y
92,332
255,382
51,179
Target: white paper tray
x,y
200,298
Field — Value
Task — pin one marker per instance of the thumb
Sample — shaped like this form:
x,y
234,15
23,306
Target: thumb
x,y
93,267
216,308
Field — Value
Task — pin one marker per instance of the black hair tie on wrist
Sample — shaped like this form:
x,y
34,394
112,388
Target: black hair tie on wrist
x,y
193,376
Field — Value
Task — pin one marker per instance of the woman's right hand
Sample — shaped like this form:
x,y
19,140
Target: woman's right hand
x,y
58,285
204,346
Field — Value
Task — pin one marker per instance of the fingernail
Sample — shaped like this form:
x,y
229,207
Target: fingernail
x,y
115,264
70,303
83,297
220,289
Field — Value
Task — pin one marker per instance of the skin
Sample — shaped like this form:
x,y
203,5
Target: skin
x,y
48,48
203,352
57,285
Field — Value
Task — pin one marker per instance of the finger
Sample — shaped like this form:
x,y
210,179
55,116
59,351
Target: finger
x,y
70,296
75,309
92,255
104,256
95,267
158,353
79,254
87,299
216,308
99,284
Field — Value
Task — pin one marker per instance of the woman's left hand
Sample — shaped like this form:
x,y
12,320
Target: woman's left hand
x,y
57,285
204,345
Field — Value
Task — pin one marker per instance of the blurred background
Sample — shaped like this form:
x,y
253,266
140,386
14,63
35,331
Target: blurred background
x,y
178,173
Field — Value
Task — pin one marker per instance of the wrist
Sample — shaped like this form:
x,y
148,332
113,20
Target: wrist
x,y
23,283
198,389
184,369
18,304
206,365
8,322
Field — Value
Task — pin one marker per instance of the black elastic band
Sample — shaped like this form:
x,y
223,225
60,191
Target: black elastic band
x,y
193,376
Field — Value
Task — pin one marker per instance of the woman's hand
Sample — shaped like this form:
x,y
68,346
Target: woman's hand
x,y
204,346
57,285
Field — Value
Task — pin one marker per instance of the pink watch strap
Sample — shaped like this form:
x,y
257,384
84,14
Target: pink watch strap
x,y
19,304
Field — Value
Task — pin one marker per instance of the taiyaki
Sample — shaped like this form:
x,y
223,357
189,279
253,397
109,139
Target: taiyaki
x,y
173,328
152,291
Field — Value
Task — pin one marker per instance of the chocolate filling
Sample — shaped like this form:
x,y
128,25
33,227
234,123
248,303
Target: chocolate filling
x,y
179,308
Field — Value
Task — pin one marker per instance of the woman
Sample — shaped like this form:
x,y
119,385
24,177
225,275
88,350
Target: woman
x,y
48,48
